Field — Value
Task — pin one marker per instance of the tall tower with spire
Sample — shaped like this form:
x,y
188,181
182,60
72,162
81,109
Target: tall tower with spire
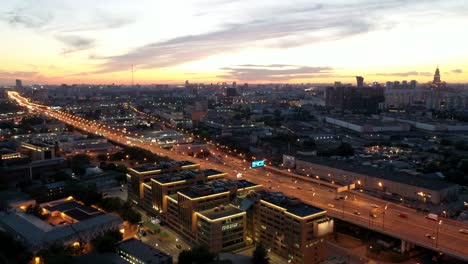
x,y
436,80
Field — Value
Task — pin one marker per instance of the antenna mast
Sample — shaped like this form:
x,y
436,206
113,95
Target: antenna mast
x,y
132,75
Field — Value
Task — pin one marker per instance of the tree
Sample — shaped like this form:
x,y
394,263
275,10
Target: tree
x,y
260,255
79,162
36,211
121,168
309,144
130,215
56,254
197,255
111,204
344,149
102,157
107,242
12,251
87,194
460,145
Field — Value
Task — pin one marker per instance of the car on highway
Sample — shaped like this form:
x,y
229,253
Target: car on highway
x,y
433,217
356,212
331,205
374,215
430,236
374,206
403,215
463,231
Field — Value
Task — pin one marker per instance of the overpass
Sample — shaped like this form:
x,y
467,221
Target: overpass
x,y
357,209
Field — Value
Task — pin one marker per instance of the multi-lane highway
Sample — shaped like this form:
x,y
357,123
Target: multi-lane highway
x,y
354,207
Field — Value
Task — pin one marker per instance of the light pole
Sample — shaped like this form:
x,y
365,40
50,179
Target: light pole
x,y
437,234
383,221
342,204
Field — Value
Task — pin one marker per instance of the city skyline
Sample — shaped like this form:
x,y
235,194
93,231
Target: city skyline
x,y
211,41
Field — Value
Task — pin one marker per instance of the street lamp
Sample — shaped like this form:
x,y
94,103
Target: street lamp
x,y
342,203
383,221
437,233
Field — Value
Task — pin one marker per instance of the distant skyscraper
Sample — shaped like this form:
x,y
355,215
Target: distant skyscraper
x,y
19,84
404,84
413,84
436,80
360,81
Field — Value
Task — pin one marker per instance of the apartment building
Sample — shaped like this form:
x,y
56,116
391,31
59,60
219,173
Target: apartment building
x,y
289,227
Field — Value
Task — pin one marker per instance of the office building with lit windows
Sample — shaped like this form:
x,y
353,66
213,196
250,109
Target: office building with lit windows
x,y
203,214
289,227
222,228
156,189
136,176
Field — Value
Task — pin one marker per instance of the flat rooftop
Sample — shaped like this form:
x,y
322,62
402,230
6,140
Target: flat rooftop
x,y
220,212
183,175
37,232
394,175
72,209
217,186
162,165
292,204
142,251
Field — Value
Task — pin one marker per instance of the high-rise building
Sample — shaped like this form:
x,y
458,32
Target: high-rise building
x,y
360,81
436,80
348,98
413,84
19,84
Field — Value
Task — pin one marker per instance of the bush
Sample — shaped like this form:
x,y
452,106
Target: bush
x,y
107,242
260,255
197,255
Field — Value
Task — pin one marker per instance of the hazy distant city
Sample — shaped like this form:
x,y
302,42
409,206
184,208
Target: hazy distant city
x,y
245,132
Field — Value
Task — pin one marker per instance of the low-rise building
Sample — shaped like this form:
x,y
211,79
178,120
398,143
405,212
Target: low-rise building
x,y
66,222
136,252
386,181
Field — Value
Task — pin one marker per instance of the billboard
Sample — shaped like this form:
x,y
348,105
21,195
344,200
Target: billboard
x,y
258,163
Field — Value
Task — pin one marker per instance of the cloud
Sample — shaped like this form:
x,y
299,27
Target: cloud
x,y
9,77
75,43
102,21
18,74
276,72
457,71
403,74
23,16
278,26
234,37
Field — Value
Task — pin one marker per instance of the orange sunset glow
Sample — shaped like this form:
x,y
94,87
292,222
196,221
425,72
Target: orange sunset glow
x,y
87,41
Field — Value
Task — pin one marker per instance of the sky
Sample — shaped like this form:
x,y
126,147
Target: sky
x,y
260,41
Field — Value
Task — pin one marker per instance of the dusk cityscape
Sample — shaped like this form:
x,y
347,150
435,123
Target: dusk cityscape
x,y
233,132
